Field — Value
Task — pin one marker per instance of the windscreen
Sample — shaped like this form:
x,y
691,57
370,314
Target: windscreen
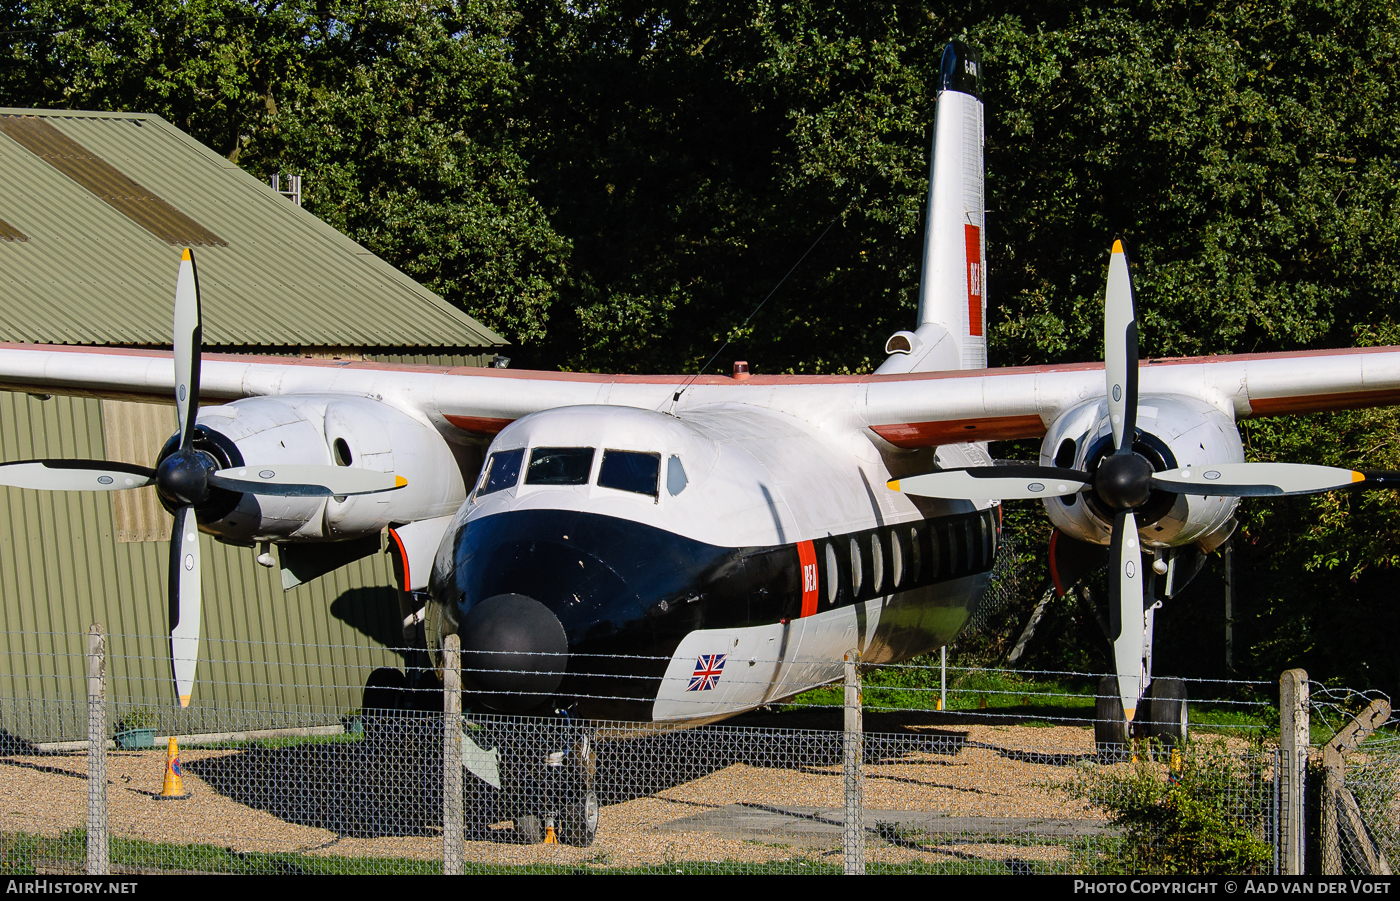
x,y
502,471
630,471
559,466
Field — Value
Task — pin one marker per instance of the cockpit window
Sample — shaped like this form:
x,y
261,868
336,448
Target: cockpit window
x,y
633,471
675,476
502,471
559,466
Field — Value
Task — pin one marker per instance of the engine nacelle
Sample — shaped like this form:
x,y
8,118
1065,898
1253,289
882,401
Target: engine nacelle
x,y
1173,431
320,429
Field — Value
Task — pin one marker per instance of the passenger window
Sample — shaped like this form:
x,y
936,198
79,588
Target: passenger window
x,y
630,471
559,466
896,560
675,476
833,573
915,555
857,577
877,562
502,471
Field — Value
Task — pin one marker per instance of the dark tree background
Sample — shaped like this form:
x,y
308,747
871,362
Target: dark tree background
x,y
615,185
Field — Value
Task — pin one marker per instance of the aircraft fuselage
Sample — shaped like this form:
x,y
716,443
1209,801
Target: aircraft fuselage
x,y
622,563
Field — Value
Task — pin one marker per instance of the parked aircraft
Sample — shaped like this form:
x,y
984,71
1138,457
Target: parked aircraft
x,y
685,548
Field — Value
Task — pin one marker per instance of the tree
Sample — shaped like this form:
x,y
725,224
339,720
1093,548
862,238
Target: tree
x,y
400,114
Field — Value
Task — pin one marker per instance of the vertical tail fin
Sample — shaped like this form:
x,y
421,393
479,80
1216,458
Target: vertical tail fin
x,y
953,289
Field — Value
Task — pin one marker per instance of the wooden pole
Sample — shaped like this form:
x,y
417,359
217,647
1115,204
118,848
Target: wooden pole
x,y
1294,726
452,838
853,750
98,859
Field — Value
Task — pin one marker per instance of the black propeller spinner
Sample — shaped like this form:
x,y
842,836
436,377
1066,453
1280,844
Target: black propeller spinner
x,y
1123,481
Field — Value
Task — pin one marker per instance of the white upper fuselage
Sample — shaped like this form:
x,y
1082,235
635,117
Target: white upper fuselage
x,y
751,477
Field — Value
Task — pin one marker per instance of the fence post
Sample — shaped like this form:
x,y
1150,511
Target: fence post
x,y
1294,723
853,753
98,861
451,756
943,678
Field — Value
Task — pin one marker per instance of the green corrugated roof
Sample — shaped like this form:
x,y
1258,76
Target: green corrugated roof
x,y
88,274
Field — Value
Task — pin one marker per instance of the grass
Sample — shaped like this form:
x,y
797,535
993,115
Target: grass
x,y
279,741
26,854
1042,701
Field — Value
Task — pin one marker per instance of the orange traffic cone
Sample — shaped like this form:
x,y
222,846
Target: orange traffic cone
x,y
173,789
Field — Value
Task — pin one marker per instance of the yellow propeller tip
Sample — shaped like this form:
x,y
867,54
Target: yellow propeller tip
x,y
400,481
892,484
1128,712
185,257
184,700
1117,246
1357,476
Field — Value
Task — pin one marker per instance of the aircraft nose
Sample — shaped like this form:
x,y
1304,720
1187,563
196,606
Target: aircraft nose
x,y
514,652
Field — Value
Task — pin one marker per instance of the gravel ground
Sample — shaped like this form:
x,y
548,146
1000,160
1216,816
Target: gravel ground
x,y
987,771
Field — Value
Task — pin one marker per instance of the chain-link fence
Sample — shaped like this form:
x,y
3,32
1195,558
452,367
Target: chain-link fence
x,y
826,782
1358,797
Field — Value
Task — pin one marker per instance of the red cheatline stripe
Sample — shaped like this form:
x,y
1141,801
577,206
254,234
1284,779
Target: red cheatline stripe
x,y
807,557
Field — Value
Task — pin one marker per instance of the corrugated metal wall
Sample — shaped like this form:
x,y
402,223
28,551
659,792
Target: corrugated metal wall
x,y
61,569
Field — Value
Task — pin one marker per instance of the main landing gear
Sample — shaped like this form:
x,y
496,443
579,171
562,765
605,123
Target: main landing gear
x,y
1161,716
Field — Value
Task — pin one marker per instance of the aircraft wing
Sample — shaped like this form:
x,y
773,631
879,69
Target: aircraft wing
x,y
908,410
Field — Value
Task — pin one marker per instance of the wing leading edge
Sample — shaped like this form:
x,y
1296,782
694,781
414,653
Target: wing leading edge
x,y
908,410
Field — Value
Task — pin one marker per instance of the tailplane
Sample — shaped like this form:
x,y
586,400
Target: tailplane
x,y
953,289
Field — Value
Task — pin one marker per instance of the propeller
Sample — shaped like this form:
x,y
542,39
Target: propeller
x,y
1124,480
185,479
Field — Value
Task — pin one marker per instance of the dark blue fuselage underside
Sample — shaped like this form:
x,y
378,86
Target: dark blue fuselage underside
x,y
628,593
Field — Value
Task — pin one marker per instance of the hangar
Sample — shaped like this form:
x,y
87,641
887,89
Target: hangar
x,y
95,209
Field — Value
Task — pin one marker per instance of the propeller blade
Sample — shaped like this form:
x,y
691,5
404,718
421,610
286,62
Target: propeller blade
x,y
1120,350
187,341
305,480
75,475
1125,609
985,482
1258,479
184,591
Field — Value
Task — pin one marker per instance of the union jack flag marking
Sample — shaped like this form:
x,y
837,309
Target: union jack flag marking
x,y
707,671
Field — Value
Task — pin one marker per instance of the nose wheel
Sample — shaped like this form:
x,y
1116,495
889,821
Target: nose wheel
x,y
577,791
550,784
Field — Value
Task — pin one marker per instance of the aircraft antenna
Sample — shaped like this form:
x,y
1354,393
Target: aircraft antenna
x,y
677,396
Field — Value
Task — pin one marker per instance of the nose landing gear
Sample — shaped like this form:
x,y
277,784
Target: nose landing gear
x,y
549,779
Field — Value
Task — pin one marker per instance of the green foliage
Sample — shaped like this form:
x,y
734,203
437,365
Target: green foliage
x,y
1209,820
402,116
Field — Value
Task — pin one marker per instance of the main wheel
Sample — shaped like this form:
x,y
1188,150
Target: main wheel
x,y
1168,713
384,691
1110,723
